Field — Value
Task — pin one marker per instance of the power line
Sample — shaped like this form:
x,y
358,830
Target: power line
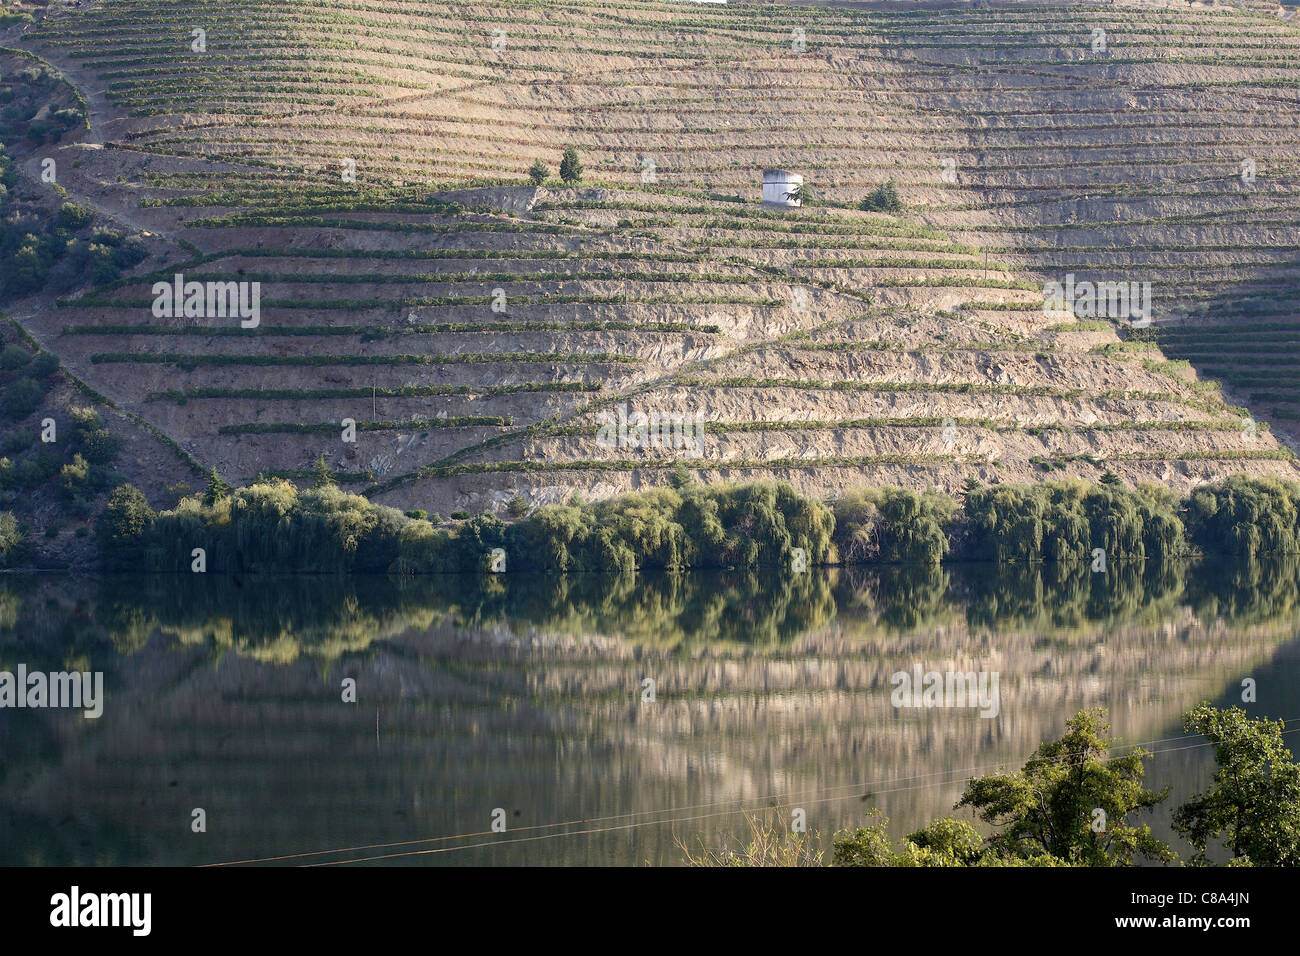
x,y
1128,748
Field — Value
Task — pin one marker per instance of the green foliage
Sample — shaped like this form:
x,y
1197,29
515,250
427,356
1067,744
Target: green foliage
x,y
538,172
1048,807
273,526
22,397
37,247
1253,803
1065,521
43,365
1047,812
16,440
801,194
738,525
1246,517
75,476
680,477
570,165
11,537
14,357
123,529
750,525
892,526
91,438
884,198
217,489
74,217
324,478
943,843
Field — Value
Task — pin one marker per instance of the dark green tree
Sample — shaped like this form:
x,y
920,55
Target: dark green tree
x,y
538,172
570,165
216,490
884,198
1050,806
1253,803
321,474
122,527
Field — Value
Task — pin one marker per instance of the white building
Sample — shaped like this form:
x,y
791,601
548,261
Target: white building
x,y
778,184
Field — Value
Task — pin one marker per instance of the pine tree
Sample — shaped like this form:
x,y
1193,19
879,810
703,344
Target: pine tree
x,y
217,489
324,477
570,165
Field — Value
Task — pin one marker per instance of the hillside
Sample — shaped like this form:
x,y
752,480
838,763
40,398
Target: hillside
x,y
367,164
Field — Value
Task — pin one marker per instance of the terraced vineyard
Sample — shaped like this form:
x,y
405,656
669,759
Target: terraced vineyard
x,y
367,164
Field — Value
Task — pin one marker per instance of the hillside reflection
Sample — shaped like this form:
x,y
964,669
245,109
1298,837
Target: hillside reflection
x,y
525,692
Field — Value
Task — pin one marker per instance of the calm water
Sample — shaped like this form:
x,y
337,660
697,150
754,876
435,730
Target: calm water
x,y
525,694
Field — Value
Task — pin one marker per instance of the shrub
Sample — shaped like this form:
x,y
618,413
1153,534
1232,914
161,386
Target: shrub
x,y
123,528
802,194
16,440
14,357
216,489
26,270
99,446
11,536
884,198
742,525
34,471
538,172
74,216
770,843
944,842
22,397
43,366
74,478
103,267
129,253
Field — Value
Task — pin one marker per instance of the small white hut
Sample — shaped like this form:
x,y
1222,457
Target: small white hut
x,y
778,185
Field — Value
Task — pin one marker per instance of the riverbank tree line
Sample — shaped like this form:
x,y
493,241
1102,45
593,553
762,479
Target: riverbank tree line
x,y
272,525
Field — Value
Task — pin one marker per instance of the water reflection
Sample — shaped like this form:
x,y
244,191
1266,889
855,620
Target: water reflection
x,y
526,693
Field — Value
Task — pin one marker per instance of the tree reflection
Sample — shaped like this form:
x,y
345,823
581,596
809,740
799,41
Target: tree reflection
x,y
54,622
